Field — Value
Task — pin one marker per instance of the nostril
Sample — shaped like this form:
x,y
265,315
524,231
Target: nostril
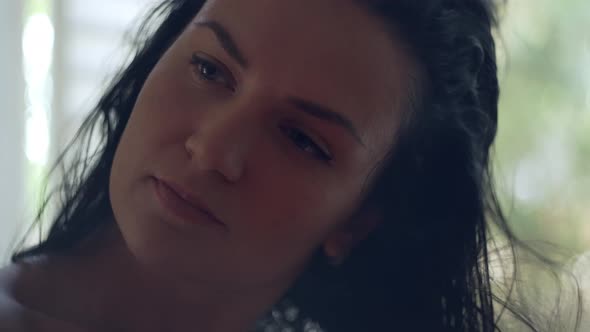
x,y
189,148
226,160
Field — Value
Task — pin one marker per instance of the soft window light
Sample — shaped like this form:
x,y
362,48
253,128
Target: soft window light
x,y
38,37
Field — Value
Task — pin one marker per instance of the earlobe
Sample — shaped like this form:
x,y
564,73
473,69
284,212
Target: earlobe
x,y
340,243
337,247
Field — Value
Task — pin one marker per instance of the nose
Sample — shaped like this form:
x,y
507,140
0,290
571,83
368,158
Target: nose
x,y
219,144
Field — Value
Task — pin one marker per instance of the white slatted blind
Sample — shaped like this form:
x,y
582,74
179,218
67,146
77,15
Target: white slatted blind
x,y
90,47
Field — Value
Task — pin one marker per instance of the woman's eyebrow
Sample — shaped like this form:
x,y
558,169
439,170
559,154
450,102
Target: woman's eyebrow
x,y
225,40
326,114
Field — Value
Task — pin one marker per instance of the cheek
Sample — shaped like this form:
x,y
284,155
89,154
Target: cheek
x,y
161,107
154,130
294,211
161,118
286,219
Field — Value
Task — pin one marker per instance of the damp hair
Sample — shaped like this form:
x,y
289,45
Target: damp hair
x,y
426,267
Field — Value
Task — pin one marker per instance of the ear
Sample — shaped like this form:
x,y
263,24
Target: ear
x,y
338,244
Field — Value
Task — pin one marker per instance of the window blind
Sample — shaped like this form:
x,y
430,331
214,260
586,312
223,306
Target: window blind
x,y
90,47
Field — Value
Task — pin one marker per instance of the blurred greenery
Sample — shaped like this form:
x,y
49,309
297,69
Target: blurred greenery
x,y
37,7
543,146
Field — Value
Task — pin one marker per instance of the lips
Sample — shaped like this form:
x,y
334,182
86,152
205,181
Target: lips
x,y
184,204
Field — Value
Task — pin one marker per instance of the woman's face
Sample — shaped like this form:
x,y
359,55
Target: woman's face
x,y
272,114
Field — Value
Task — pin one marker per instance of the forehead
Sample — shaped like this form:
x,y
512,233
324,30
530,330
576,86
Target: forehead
x,y
330,51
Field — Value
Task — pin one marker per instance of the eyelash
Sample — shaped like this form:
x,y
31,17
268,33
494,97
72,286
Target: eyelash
x,y
201,63
292,133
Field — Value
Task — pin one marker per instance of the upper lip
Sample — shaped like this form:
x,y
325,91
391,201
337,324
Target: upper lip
x,y
191,198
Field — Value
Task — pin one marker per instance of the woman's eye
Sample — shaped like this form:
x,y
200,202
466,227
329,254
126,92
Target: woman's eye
x,y
306,144
207,70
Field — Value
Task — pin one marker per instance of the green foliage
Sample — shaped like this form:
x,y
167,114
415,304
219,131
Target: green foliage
x,y
543,147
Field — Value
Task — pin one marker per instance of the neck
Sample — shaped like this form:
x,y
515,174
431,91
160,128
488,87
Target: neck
x,y
103,286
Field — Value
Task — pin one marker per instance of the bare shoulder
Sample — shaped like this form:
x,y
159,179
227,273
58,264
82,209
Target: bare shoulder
x,y
18,317
12,314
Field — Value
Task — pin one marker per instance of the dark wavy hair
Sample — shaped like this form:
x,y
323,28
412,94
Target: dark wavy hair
x,y
426,268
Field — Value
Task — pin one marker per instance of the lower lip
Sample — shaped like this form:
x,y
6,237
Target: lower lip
x,y
180,209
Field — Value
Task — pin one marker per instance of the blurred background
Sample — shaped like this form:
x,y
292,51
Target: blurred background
x,y
57,56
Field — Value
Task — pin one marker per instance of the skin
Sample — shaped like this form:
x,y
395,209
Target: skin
x,y
226,130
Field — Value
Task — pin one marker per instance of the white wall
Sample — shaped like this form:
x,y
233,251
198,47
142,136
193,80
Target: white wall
x,y
12,116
